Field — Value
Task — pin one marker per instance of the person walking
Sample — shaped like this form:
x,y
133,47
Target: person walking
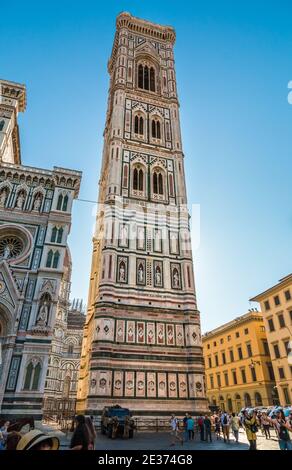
x,y
251,427
282,427
185,421
91,431
225,423
265,422
190,428
235,423
208,428
201,428
175,434
4,435
80,439
217,427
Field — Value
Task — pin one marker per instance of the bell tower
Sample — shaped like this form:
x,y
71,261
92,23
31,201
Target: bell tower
x,y
12,101
142,343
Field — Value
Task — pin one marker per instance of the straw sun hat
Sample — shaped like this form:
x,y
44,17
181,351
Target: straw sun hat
x,y
34,437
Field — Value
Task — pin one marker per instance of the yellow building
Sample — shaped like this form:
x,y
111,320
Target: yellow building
x,y
276,305
238,365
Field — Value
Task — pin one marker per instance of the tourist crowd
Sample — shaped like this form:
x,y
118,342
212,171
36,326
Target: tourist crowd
x,y
219,425
222,424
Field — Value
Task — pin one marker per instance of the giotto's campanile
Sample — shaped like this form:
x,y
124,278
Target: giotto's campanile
x,y
142,343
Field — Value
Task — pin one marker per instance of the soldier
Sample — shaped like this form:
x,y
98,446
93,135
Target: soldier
x,y
132,427
127,428
115,426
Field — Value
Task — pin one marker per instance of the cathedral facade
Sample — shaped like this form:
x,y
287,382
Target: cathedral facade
x,y
35,220
64,362
142,344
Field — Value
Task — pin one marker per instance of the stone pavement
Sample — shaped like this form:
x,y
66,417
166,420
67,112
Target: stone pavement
x,y
161,441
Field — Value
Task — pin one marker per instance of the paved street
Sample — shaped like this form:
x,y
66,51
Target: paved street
x,y
161,441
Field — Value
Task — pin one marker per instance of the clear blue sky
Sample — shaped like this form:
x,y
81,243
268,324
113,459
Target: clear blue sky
x,y
233,62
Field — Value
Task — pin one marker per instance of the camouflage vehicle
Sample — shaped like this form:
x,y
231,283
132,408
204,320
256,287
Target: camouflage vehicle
x,y
113,421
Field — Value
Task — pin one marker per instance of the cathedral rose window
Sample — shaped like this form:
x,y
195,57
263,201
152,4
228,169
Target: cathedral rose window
x,y
15,242
10,247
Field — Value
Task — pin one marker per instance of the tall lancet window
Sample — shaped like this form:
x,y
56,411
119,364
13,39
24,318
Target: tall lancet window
x,y
146,77
138,179
156,129
139,125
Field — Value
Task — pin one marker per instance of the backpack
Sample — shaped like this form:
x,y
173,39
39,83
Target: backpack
x,y
284,434
225,419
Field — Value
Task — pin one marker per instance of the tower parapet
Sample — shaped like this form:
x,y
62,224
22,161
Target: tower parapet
x,y
12,101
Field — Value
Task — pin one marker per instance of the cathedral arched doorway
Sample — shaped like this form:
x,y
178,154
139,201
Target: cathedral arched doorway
x,y
6,338
5,329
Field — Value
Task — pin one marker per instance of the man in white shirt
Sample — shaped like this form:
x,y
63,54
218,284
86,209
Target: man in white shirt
x,y
175,434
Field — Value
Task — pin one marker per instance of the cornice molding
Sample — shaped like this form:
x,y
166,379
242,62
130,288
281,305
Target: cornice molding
x,y
13,91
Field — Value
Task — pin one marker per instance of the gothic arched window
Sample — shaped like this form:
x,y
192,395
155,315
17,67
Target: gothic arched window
x,y
2,123
155,185
56,259
160,183
36,377
152,79
156,129
54,234
135,178
153,128
28,376
49,259
60,235
158,132
60,202
140,76
136,125
141,177
32,376
138,179
146,77
65,203
141,126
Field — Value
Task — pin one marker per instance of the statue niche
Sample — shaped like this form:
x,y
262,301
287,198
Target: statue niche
x,y
37,202
3,197
44,310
